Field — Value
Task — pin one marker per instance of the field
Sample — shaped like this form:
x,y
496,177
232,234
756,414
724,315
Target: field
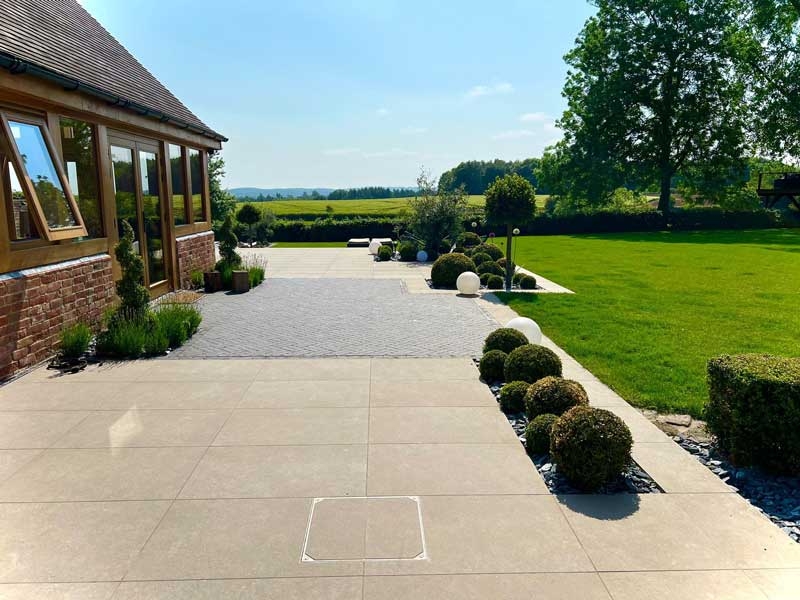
x,y
285,209
649,310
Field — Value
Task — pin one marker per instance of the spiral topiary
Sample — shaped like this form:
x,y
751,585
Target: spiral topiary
x,y
530,363
505,339
512,397
537,434
448,267
491,366
591,446
553,395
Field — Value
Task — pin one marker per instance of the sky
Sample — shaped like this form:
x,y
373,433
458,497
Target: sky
x,y
335,93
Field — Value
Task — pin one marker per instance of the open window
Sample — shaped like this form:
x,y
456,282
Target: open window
x,y
36,188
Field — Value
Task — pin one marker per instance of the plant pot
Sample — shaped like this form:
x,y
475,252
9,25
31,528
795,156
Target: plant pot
x,y
212,281
241,282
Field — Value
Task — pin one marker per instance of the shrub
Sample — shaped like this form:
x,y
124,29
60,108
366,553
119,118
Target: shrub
x,y
591,446
537,434
493,251
553,395
126,335
527,282
384,253
480,257
516,277
512,397
502,262
491,267
226,271
491,365
134,297
255,275
157,341
408,251
495,282
228,244
485,278
436,214
178,322
469,239
530,363
197,279
448,267
754,410
75,340
505,339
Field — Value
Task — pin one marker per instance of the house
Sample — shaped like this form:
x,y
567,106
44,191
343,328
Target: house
x,y
88,138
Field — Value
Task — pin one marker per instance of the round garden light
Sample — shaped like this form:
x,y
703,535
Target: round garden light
x,y
527,326
422,256
373,246
468,283
516,231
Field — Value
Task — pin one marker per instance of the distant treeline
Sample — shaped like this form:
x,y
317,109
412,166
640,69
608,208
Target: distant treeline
x,y
477,175
368,193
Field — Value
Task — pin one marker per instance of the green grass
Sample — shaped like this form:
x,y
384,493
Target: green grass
x,y
309,245
651,309
376,207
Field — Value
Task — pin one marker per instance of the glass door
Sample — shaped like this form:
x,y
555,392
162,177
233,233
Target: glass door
x,y
137,189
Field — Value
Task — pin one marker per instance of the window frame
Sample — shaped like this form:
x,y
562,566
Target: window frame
x,y
96,148
44,230
203,164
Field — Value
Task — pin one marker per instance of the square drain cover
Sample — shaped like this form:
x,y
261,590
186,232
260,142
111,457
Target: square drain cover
x,y
381,528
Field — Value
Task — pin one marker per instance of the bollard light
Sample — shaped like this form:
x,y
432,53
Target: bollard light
x,y
468,283
527,326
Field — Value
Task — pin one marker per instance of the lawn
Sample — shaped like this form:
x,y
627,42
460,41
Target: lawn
x,y
375,208
650,309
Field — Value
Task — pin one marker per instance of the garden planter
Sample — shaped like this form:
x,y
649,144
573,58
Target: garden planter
x,y
212,281
241,282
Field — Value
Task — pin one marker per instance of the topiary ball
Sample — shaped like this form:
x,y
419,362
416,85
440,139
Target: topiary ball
x,y
512,397
495,282
526,282
481,257
537,434
553,395
493,251
469,239
485,278
505,339
491,365
384,253
448,267
591,446
408,251
491,267
530,363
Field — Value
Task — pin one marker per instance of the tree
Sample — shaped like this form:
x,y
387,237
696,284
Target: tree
x,y
222,201
510,201
436,215
134,297
477,175
248,215
652,87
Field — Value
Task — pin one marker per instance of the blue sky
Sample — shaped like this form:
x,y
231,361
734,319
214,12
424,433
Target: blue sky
x,y
330,93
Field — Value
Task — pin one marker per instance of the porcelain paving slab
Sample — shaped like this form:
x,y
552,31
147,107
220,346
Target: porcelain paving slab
x,y
279,471
675,470
59,395
777,584
221,539
437,425
430,393
307,588
102,539
483,534
667,585
177,395
307,394
420,369
38,429
57,591
102,474
541,586
145,428
12,460
294,426
451,469
641,428
315,369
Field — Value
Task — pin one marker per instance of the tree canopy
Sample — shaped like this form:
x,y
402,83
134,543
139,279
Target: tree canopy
x,y
477,175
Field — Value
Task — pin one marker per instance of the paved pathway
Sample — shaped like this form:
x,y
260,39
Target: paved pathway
x,y
343,479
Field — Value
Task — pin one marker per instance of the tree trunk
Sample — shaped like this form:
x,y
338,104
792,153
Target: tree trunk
x,y
666,188
509,266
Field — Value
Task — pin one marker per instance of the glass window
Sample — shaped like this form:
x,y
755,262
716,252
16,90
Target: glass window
x,y
80,164
178,185
196,174
125,191
38,163
22,220
151,214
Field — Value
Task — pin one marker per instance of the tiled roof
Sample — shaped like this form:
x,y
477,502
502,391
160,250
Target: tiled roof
x,y
62,37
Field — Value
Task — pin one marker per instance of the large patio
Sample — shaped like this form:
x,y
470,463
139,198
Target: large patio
x,y
345,478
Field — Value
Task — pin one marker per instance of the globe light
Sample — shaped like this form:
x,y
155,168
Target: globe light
x,y
422,256
516,231
474,224
527,326
468,283
373,246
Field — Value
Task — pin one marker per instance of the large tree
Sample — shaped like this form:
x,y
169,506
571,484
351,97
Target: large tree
x,y
651,88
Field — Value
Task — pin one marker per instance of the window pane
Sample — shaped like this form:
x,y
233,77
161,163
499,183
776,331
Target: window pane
x,y
178,185
125,191
151,213
196,173
80,163
22,226
42,172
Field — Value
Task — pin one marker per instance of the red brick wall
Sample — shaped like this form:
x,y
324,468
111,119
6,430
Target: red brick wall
x,y
195,252
36,304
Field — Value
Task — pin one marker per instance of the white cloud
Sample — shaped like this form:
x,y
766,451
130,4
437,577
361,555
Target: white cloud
x,y
490,90
514,134
382,111
341,151
414,130
536,117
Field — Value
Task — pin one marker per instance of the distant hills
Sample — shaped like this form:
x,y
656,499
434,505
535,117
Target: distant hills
x,y
253,192
363,193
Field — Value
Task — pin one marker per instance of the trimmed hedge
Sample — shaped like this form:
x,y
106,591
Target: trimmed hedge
x,y
754,410
553,395
448,267
491,366
530,363
512,397
505,339
537,434
591,446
